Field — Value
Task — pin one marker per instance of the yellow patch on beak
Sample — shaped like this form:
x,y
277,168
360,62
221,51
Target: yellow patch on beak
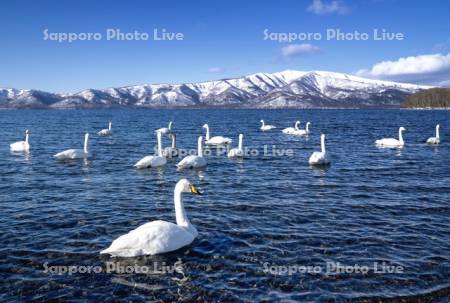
x,y
195,190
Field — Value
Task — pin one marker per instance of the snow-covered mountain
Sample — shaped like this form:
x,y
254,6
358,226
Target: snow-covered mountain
x,y
287,89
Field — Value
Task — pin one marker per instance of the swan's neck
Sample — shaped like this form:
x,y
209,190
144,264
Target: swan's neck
x,y
200,148
262,122
159,145
170,125
241,139
86,143
174,141
110,124
322,143
400,136
207,132
26,138
296,125
307,127
180,213
437,132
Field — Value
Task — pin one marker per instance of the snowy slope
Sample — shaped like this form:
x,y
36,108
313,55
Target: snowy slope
x,y
288,88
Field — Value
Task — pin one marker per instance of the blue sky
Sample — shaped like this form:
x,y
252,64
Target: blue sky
x,y
221,39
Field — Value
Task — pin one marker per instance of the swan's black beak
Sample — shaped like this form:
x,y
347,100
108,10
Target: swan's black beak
x,y
195,190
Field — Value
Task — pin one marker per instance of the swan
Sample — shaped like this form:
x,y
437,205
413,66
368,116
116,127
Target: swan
x,y
192,161
435,140
21,146
158,237
320,158
70,154
239,151
106,131
266,127
171,151
391,142
291,130
153,161
303,132
165,130
216,140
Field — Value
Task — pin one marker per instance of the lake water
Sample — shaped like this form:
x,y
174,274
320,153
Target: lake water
x,y
387,208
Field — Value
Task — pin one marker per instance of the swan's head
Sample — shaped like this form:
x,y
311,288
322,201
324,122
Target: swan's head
x,y
185,186
27,132
205,125
308,123
262,121
437,126
402,129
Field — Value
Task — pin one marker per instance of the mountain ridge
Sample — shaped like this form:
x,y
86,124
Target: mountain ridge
x,y
285,89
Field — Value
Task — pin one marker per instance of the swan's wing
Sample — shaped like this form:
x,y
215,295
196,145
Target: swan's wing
x,y
19,146
70,154
149,239
387,141
186,161
317,158
433,140
144,162
219,140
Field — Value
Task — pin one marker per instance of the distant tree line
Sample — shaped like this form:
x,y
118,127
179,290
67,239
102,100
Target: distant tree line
x,y
433,97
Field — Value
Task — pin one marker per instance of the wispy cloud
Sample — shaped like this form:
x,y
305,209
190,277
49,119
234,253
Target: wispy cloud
x,y
295,50
216,69
430,69
320,7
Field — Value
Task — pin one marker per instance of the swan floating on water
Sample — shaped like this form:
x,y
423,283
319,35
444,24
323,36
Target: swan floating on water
x,y
153,161
192,161
158,237
216,140
165,130
239,151
21,146
266,126
391,142
71,154
435,140
291,130
106,131
303,132
320,158
171,151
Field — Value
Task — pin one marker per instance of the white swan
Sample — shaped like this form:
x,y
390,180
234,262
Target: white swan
x,y
320,158
158,236
303,132
106,131
71,154
165,130
192,161
171,151
291,130
239,151
216,140
435,140
153,161
21,146
391,142
266,127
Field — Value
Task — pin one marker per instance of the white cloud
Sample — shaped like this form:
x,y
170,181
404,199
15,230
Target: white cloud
x,y
216,69
433,68
320,7
294,50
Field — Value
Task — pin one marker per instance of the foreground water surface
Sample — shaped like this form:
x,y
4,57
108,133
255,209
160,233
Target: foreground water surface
x,y
258,217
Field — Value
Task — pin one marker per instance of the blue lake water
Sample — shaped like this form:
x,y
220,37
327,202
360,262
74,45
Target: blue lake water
x,y
258,215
